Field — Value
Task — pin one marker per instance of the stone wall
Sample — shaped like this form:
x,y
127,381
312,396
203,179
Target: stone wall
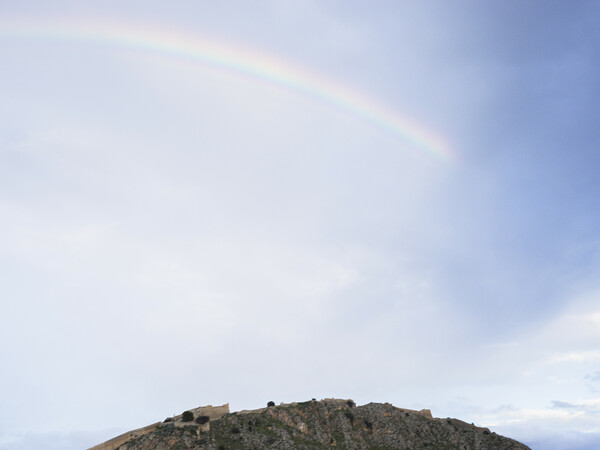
x,y
212,412
424,412
116,442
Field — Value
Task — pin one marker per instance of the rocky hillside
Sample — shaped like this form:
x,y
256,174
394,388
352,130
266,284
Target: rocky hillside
x,y
314,424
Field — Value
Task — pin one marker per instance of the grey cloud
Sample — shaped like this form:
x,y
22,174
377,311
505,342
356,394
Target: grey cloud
x,y
559,404
592,380
594,377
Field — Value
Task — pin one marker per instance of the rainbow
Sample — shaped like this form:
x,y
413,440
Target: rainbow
x,y
237,60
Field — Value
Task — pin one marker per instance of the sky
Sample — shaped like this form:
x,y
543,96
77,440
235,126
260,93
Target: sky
x,y
237,202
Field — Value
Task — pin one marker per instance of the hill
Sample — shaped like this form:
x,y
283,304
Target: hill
x,y
325,424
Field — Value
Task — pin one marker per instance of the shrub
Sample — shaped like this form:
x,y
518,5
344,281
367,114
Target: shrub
x,y
201,420
187,416
235,430
351,404
270,404
349,416
168,419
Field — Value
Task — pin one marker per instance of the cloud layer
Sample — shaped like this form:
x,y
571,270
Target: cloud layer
x,y
174,235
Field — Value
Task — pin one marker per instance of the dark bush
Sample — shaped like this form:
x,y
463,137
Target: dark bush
x,y
168,419
349,416
271,404
235,430
201,420
351,404
369,425
187,416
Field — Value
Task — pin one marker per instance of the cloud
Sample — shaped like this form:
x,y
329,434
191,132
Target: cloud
x,y
550,428
577,356
559,404
593,381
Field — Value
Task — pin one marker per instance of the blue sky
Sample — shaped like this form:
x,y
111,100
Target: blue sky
x,y
173,234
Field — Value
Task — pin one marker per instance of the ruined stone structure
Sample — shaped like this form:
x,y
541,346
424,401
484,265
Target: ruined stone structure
x,y
212,412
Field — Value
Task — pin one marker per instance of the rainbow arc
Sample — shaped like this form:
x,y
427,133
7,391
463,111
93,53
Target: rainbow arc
x,y
240,61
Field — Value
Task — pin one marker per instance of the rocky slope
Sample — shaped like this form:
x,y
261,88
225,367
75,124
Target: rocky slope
x,y
314,424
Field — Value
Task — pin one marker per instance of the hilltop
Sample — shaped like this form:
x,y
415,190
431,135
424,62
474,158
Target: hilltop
x,y
325,424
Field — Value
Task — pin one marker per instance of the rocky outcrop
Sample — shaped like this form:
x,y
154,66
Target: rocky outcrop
x,y
325,424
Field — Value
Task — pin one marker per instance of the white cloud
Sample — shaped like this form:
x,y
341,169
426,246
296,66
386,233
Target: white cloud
x,y
576,356
561,425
